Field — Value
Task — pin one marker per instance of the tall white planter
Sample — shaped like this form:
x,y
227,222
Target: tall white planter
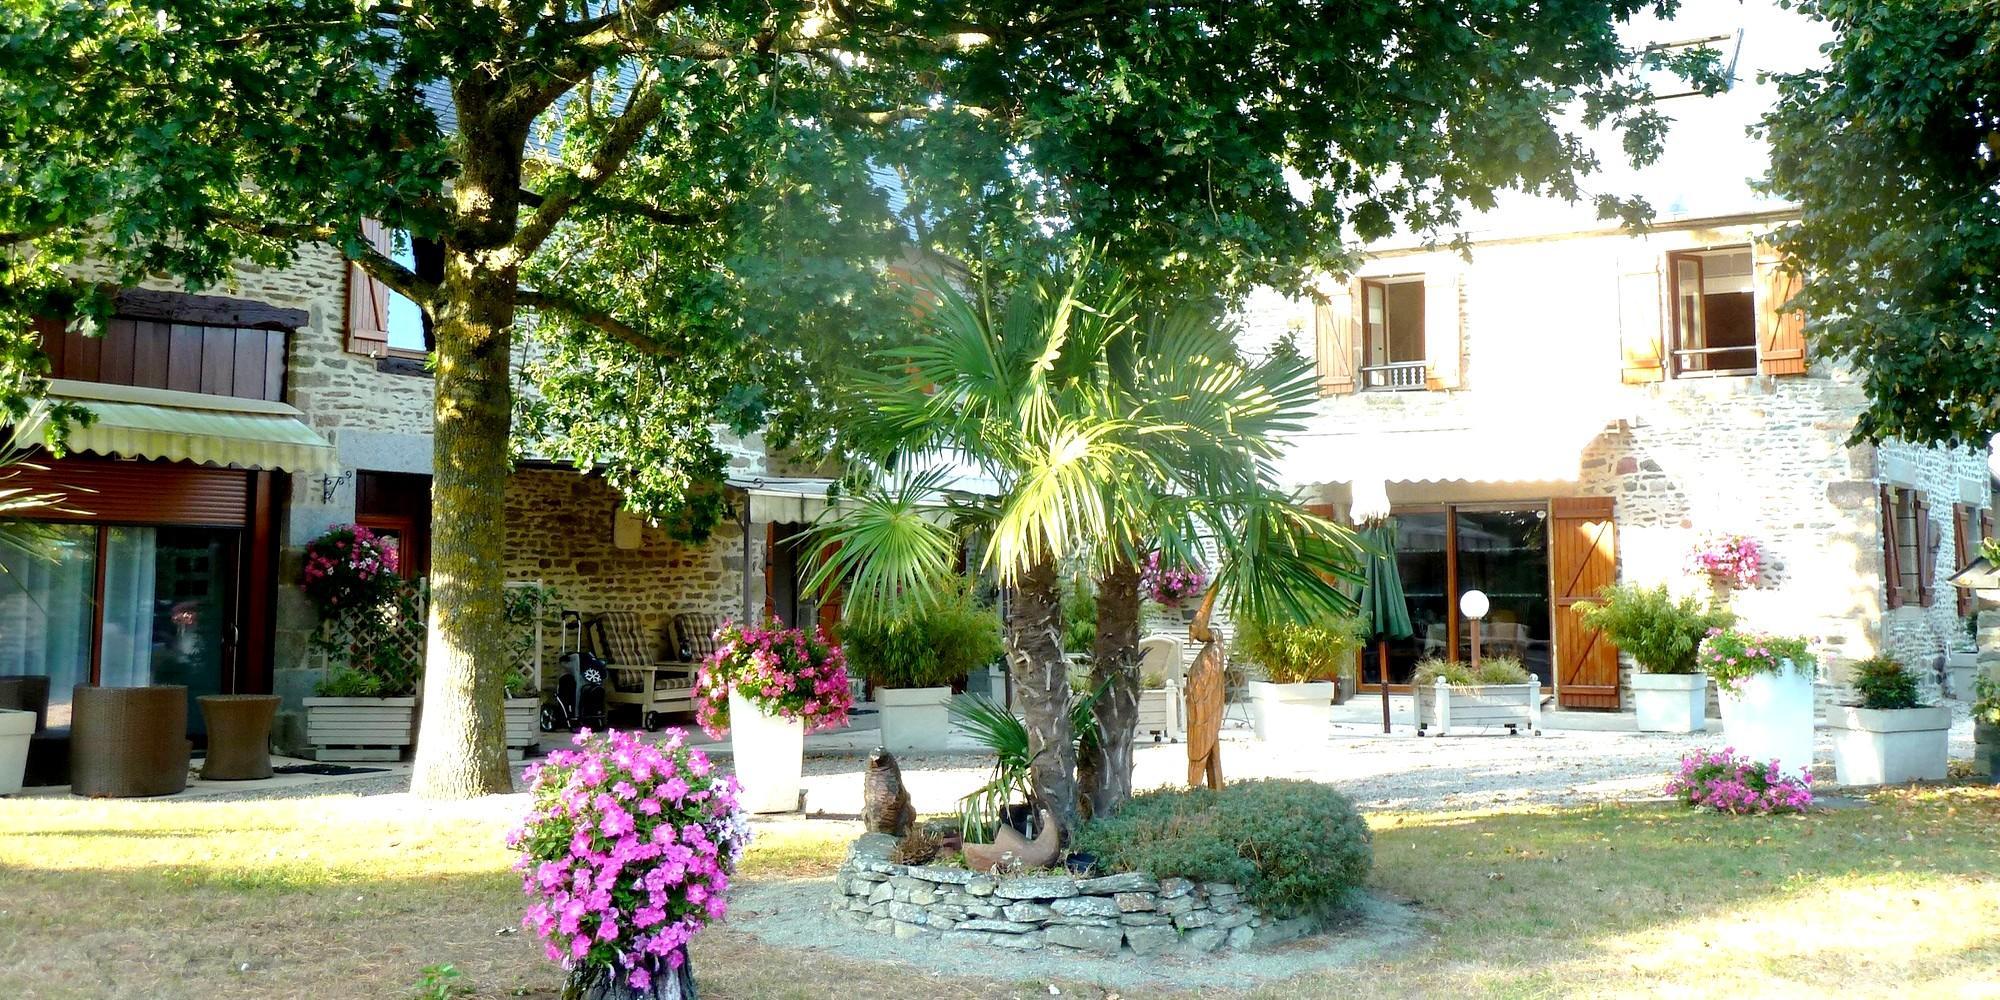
x,y
16,729
1295,715
770,757
1889,746
913,718
1770,717
1961,671
1670,703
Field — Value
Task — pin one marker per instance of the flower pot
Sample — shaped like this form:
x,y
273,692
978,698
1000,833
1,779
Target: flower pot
x,y
1670,703
912,718
1770,717
1291,714
1160,714
770,752
524,726
1887,747
1986,749
349,729
17,727
1961,669
1445,707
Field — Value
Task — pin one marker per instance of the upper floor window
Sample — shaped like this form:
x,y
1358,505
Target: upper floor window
x,y
1713,312
406,318
1391,333
1392,311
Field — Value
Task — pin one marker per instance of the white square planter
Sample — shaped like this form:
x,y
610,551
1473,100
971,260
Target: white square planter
x,y
1889,747
1961,670
524,726
1770,717
1160,714
16,729
1670,703
1445,707
914,718
1297,715
350,729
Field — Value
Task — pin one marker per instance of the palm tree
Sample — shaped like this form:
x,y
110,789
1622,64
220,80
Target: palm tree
x,y
1108,435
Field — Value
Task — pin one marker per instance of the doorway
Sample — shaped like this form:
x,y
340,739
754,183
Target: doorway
x,y
1444,551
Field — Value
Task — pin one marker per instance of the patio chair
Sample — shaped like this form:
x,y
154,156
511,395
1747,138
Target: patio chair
x,y
1162,711
128,742
654,684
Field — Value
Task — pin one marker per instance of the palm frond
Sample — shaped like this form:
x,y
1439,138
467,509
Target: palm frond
x,y
891,548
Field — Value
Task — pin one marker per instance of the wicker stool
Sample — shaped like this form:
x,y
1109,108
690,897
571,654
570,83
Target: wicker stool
x,y
127,742
239,735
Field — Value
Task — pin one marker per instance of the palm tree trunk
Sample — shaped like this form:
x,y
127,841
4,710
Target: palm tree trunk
x,y
1041,677
1114,675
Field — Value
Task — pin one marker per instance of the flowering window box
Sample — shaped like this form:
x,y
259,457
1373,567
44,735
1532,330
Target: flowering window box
x,y
1445,707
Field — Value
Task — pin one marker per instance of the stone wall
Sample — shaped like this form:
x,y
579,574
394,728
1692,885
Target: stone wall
x,y
1131,914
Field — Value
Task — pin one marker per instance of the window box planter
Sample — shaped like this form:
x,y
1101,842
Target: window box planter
x,y
1291,714
1889,746
1445,707
1961,669
912,718
17,728
1161,714
769,753
1670,703
1770,717
354,729
524,726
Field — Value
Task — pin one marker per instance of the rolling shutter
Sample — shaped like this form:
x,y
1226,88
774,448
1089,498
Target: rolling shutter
x,y
368,299
1781,336
1333,341
1639,328
1444,332
1583,560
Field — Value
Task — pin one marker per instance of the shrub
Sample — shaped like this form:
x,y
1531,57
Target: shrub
x,y
1293,847
1492,670
781,670
1730,656
1294,652
375,651
1720,780
1986,699
930,645
1661,633
1884,683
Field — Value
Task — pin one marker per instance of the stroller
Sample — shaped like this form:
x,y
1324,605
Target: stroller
x,y
579,699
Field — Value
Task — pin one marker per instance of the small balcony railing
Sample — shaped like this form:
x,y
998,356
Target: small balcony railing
x,y
1711,362
1401,376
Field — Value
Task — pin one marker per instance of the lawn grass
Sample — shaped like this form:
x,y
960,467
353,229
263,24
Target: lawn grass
x,y
344,897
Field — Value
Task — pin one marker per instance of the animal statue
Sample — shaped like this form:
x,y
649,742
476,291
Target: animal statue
x,y
1010,851
1204,701
885,803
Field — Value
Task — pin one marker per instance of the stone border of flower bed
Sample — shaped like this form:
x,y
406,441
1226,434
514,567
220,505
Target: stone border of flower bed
x,y
1130,914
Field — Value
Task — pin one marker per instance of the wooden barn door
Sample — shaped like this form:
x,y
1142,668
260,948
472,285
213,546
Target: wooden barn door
x,y
1583,559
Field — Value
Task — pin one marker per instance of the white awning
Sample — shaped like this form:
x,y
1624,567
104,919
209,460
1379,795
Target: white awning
x,y
1494,454
174,426
800,500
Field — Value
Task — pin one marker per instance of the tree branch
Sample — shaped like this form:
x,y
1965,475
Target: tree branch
x,y
556,302
641,110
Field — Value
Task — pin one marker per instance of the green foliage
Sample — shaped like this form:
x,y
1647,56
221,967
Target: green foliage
x,y
441,982
1293,652
1079,610
1986,699
926,645
525,606
1729,656
1292,847
1660,632
1889,145
375,652
1883,682
992,726
1492,670
346,682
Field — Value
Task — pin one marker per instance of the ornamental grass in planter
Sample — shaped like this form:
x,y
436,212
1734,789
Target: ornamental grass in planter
x,y
914,656
1663,636
1499,692
1890,736
1301,663
1766,688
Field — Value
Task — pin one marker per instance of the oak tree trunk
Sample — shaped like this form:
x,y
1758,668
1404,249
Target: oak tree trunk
x,y
1041,678
1114,675
461,745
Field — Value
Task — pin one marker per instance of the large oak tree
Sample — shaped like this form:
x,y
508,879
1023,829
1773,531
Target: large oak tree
x,y
686,205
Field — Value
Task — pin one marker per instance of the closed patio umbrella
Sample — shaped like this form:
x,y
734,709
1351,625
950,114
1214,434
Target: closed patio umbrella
x,y
1382,602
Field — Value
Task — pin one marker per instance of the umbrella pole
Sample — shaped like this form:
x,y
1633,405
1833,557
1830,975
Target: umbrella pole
x,y
1382,674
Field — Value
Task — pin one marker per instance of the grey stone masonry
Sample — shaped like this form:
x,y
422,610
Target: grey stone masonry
x,y
1131,914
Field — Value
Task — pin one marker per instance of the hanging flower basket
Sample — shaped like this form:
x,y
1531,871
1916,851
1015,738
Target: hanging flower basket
x,y
1734,560
1172,586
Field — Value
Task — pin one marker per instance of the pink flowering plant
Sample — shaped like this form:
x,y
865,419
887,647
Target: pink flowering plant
x,y
349,568
1733,559
1170,584
1730,656
1724,782
787,672
626,855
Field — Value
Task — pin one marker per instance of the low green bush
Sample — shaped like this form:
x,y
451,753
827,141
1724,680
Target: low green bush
x,y
1660,632
930,645
1293,847
1884,683
1295,652
1492,670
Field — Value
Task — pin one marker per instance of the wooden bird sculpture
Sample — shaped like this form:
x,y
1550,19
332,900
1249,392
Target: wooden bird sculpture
x,y
885,803
1011,852
1204,701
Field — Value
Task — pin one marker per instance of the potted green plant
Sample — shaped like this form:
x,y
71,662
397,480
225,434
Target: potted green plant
x,y
1498,692
1765,684
914,657
371,640
1300,661
1889,737
1663,635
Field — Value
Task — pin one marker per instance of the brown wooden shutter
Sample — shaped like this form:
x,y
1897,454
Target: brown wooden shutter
x,y
1926,553
1583,560
1444,331
368,299
1781,332
1333,342
1962,544
1640,337
1892,555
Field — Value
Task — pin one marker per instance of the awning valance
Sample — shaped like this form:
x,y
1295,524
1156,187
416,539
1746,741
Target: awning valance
x,y
1496,454
174,426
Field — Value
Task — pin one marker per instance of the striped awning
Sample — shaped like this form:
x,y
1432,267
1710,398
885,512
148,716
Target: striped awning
x,y
174,426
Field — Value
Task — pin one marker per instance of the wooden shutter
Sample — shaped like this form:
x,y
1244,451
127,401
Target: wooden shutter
x,y
1781,331
1333,341
1926,553
1583,560
1640,337
1892,555
368,299
1962,546
1444,331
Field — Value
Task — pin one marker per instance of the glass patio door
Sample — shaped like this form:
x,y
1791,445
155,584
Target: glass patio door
x,y
48,580
1441,554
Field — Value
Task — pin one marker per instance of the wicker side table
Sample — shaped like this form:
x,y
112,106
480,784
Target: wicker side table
x,y
239,735
127,742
